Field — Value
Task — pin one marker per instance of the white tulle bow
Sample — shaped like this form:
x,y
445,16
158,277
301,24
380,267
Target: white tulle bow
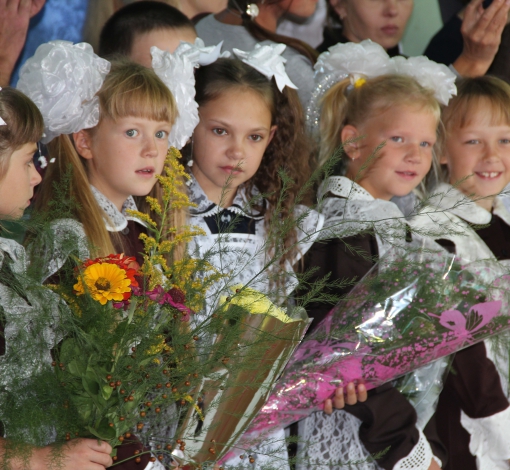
x,y
268,60
368,59
199,54
177,72
428,74
62,79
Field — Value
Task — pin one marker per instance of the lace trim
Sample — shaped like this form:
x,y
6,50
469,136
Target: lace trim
x,y
490,439
215,209
115,221
342,186
16,252
329,442
419,458
205,207
353,210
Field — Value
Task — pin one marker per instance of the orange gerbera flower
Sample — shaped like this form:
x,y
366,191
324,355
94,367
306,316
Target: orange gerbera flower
x,y
104,282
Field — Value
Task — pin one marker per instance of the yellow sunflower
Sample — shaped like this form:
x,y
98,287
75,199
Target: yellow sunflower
x,y
104,282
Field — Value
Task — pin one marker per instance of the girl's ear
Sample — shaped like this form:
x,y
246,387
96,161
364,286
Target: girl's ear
x,y
82,143
347,135
339,7
272,132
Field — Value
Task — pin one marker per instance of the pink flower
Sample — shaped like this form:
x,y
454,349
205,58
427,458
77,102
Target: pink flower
x,y
176,298
157,294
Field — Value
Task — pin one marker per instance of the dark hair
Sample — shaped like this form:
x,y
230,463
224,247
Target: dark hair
x,y
288,150
120,30
262,34
24,124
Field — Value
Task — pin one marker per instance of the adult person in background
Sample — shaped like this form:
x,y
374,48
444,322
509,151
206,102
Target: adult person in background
x,y
384,22
244,23
192,8
309,30
14,20
453,32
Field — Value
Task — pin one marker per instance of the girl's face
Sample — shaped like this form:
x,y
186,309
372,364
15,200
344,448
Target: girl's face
x,y
479,153
229,143
408,134
17,185
124,156
382,21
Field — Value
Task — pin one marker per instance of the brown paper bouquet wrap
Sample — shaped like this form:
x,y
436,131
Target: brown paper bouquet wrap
x,y
263,338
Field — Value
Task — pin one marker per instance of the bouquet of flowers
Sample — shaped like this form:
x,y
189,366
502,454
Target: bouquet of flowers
x,y
401,316
126,356
231,395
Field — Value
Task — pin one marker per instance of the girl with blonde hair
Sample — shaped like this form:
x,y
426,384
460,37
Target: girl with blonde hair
x,y
384,113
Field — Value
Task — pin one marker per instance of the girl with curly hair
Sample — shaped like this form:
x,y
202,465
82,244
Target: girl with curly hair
x,y
250,161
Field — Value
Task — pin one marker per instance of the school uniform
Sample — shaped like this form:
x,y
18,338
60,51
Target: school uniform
x,y
235,242
473,413
358,229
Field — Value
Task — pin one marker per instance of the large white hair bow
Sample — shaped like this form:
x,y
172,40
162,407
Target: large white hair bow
x,y
428,74
268,60
62,79
176,70
368,59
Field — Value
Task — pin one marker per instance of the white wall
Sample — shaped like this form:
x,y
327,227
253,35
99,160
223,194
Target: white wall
x,y
424,23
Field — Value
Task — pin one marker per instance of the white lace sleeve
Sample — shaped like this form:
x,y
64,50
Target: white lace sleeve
x,y
490,439
67,236
419,458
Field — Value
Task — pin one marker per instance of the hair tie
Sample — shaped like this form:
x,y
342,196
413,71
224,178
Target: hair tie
x,y
252,10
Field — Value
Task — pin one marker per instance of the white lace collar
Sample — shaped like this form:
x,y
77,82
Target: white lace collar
x,y
352,210
242,203
447,197
342,186
115,220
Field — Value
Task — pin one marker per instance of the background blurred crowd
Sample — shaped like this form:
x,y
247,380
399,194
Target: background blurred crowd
x,y
469,36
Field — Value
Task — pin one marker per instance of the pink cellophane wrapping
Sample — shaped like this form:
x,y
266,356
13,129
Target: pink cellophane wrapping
x,y
401,316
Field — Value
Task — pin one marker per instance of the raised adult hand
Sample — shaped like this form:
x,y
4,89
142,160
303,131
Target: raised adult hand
x,y
481,30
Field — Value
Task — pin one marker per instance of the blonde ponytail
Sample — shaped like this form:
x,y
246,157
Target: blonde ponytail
x,y
333,114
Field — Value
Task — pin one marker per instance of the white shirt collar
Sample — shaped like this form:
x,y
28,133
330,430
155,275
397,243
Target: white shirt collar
x,y
115,220
447,197
242,203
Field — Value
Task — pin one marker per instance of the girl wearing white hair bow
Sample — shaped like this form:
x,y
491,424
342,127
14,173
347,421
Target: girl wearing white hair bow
x,y
108,123
251,127
391,107
108,128
21,127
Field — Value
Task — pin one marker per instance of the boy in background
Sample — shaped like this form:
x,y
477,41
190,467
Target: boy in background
x,y
135,28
